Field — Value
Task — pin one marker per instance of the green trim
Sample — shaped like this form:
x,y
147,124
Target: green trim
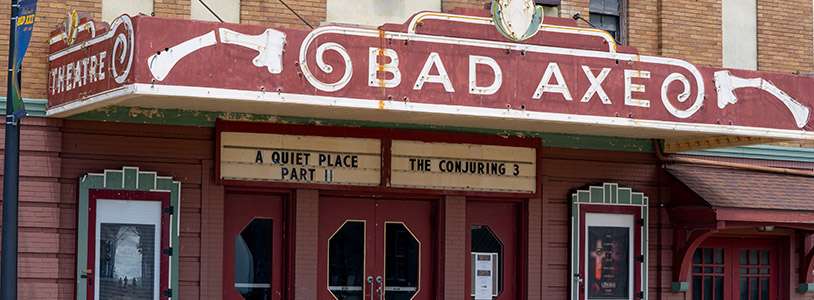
x,y
806,287
34,107
607,194
129,179
762,152
207,119
679,287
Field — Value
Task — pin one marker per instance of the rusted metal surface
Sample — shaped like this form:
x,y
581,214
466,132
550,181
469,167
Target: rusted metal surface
x,y
435,64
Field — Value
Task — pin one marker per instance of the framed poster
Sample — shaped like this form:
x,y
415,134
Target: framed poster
x,y
609,244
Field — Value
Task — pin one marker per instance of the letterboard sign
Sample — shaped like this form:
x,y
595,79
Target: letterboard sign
x,y
463,167
300,159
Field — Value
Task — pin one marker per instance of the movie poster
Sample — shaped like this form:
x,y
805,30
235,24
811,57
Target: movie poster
x,y
608,262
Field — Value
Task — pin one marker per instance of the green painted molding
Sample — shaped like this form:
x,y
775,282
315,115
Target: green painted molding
x,y
680,287
208,118
35,107
128,179
769,152
608,194
806,287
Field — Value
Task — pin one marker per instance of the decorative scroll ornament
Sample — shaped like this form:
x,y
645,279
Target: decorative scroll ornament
x,y
517,19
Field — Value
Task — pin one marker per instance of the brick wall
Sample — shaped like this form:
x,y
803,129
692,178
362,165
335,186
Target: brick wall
x,y
454,246
784,36
306,217
273,13
55,153
691,30
176,9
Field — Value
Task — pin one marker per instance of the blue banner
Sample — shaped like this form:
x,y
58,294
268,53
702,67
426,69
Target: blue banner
x,y
22,36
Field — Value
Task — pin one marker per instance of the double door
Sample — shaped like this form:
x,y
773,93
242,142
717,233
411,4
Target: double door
x,y
735,268
374,249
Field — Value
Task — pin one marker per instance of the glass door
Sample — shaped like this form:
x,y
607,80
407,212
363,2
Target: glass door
x,y
735,268
253,247
376,249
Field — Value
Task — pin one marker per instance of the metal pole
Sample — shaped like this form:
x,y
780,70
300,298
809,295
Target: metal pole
x,y
11,172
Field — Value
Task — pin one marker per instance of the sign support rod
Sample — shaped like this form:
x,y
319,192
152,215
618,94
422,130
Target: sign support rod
x,y
11,172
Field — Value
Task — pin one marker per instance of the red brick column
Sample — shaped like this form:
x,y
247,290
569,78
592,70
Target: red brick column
x,y
535,248
455,247
306,215
212,208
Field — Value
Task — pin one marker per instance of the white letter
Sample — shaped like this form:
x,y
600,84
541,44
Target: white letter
x,y
560,87
77,74
53,81
392,67
102,65
61,80
69,77
442,76
85,70
596,86
474,60
93,73
629,87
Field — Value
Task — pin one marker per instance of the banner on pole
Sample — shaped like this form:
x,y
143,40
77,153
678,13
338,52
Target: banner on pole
x,y
22,36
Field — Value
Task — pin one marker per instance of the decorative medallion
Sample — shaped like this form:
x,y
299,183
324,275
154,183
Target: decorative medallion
x,y
70,27
517,19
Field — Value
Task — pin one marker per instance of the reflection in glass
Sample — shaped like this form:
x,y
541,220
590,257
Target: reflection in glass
x,y
346,256
126,261
485,241
401,265
253,260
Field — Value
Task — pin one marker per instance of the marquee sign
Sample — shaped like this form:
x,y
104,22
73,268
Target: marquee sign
x,y
436,64
463,167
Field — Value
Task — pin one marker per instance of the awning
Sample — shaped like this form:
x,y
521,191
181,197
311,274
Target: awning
x,y
736,198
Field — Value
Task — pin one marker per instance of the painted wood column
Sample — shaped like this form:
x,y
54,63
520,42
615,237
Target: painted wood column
x,y
455,248
306,241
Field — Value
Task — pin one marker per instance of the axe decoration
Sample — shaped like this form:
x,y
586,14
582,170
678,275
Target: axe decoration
x,y
725,84
269,43
161,63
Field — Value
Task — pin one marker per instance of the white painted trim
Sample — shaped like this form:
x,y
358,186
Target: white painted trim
x,y
612,220
610,55
119,94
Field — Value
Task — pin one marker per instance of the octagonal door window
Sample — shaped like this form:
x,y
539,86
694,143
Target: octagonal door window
x,y
253,260
401,262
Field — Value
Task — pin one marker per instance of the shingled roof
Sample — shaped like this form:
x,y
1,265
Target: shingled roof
x,y
736,188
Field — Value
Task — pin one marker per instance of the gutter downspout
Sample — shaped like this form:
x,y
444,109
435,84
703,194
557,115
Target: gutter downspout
x,y
677,159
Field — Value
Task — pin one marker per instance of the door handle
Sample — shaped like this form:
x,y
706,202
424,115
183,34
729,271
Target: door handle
x,y
379,290
370,281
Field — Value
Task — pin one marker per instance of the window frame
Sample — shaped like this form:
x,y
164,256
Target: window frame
x,y
127,184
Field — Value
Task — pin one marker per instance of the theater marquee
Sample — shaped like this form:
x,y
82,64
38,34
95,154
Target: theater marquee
x,y
446,69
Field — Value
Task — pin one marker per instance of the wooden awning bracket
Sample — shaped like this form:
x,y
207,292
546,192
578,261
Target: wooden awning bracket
x,y
806,244
685,243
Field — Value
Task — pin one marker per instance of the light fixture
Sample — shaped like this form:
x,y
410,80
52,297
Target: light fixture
x,y
765,228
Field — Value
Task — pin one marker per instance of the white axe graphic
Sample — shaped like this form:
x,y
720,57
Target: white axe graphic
x,y
269,44
726,83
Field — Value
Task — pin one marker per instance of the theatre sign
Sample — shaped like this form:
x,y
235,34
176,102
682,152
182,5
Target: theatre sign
x,y
437,68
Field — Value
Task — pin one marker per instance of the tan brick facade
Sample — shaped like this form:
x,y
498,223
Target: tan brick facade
x,y
784,36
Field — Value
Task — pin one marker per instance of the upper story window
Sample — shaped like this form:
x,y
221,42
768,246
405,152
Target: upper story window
x,y
376,12
111,9
608,15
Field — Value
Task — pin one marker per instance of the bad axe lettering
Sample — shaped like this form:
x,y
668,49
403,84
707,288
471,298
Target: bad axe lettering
x,y
298,166
384,63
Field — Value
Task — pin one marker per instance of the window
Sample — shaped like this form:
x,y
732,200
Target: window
x,y
739,34
608,15
729,268
376,12
111,9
